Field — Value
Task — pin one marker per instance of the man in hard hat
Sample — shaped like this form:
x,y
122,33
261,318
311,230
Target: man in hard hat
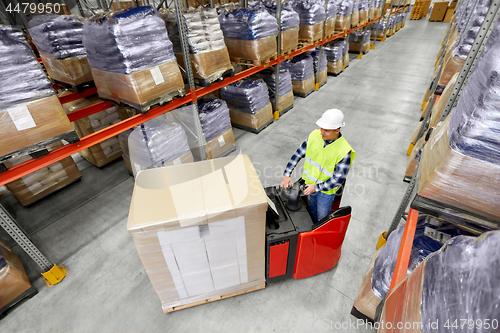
x,y
328,158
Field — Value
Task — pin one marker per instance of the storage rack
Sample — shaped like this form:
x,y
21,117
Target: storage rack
x,y
55,273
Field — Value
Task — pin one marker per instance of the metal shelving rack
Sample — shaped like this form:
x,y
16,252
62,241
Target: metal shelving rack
x,y
57,273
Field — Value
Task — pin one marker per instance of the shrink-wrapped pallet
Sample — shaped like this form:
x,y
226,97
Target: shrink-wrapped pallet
x,y
289,24
359,41
363,6
320,69
379,29
59,40
132,58
301,70
334,55
29,110
331,17
375,9
344,11
285,88
13,279
208,52
312,16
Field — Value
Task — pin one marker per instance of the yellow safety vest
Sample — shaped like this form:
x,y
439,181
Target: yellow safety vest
x,y
320,161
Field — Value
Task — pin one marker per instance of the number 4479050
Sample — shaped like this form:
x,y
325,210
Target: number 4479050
x,y
34,8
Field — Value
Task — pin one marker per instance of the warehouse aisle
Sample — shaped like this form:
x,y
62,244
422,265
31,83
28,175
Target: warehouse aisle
x,y
107,289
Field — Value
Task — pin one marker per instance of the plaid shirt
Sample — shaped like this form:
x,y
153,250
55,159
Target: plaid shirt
x,y
339,174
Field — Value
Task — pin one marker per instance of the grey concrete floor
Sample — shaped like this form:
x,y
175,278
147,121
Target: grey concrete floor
x,y
107,289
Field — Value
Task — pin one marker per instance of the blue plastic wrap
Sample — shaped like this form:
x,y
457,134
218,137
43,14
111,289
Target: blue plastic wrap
x,y
248,24
301,67
465,43
334,50
310,11
21,76
289,17
314,53
59,35
246,95
345,7
285,81
380,25
128,40
363,4
332,8
214,116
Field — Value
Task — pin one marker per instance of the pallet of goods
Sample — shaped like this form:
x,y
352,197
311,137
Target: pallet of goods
x,y
286,98
301,69
312,17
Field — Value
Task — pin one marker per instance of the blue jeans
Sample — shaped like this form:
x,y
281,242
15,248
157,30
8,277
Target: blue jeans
x,y
320,204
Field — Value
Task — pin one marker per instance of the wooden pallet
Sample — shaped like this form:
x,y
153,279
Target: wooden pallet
x,y
208,81
79,88
213,299
253,130
304,42
282,112
287,53
334,74
253,62
303,95
145,107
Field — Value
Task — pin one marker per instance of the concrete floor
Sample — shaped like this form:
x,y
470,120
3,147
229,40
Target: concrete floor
x,y
107,289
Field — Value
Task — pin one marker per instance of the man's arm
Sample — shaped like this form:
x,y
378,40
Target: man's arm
x,y
299,154
339,175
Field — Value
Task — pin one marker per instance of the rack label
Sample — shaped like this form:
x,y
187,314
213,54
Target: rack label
x,y
21,117
157,76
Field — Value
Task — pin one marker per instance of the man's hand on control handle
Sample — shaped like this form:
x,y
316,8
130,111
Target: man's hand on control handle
x,y
309,189
285,182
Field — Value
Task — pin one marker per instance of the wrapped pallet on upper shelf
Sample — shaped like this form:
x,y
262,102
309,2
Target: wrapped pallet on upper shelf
x,y
13,279
375,9
249,105
355,13
285,102
320,70
156,143
360,41
104,152
363,11
379,29
460,164
59,41
331,17
289,24
334,56
301,69
38,184
249,34
30,111
132,58
312,17
457,284
208,53
344,11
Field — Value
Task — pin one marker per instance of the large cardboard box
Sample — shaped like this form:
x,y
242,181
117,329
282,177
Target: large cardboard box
x,y
255,49
219,145
73,71
322,76
334,67
289,40
25,125
304,86
13,278
285,102
330,26
438,11
449,14
253,121
311,33
199,229
208,65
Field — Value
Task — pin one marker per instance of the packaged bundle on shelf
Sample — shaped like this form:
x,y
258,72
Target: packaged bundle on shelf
x,y
13,279
289,24
391,26
320,73
132,58
249,105
358,38
59,41
331,17
312,16
157,143
301,69
463,153
104,152
208,53
344,11
249,34
199,230
375,10
40,183
363,11
334,55
379,29
456,284
30,112
285,88
123,140
355,14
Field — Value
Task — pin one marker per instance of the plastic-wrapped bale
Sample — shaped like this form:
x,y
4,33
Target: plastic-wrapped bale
x,y
379,28
312,16
157,143
59,41
104,152
363,6
355,14
334,56
285,88
375,9
30,112
132,58
249,105
359,41
301,70
344,11
208,52
289,25
453,286
331,17
123,140
463,152
430,236
455,58
249,34
40,183
320,69
13,279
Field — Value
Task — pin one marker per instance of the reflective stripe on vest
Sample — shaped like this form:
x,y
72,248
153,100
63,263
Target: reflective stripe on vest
x,y
320,161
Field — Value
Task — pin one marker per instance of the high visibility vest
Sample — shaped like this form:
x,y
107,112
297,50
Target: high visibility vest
x,y
320,161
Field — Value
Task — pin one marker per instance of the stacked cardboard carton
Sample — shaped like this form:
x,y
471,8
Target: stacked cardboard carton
x,y
301,70
312,16
13,279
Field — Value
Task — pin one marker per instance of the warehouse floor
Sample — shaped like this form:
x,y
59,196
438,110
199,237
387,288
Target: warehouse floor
x,y
107,289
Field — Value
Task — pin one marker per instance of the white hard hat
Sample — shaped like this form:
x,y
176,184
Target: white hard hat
x,y
331,119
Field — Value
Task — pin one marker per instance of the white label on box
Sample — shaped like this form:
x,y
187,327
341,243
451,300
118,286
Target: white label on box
x,y
221,140
21,117
177,161
157,76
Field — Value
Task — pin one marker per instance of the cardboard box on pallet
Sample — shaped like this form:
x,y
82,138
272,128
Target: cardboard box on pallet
x,y
13,279
322,76
73,71
334,67
355,47
209,64
330,26
303,87
254,49
253,121
289,40
438,11
219,145
449,14
285,101
310,33
42,182
199,230
27,124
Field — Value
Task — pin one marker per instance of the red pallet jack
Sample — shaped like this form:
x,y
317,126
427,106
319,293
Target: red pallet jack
x,y
295,245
